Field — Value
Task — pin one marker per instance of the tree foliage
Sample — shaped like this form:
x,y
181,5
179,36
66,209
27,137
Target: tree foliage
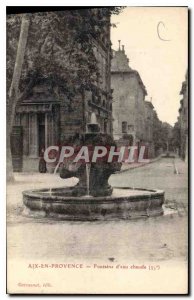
x,y
162,134
176,136
60,48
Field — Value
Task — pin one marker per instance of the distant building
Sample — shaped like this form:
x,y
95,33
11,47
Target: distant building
x,y
157,135
132,115
149,128
183,120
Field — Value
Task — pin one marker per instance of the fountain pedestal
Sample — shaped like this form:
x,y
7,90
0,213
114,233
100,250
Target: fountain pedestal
x,y
93,198
100,171
124,203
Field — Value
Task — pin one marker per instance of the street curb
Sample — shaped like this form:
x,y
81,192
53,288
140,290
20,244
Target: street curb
x,y
121,171
139,166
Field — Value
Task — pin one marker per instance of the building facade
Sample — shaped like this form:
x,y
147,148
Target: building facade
x,y
132,115
183,120
48,116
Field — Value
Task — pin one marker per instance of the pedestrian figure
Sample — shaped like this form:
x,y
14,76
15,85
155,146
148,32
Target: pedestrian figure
x,y
42,162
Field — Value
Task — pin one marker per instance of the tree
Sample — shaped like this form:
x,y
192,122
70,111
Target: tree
x,y
59,49
14,94
176,137
162,135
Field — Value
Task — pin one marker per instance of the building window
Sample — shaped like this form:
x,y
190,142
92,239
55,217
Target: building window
x,y
130,128
124,127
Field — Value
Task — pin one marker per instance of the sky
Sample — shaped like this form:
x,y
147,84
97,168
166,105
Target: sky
x,y
161,64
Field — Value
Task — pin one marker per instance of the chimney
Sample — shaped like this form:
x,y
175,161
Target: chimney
x,y
119,45
123,48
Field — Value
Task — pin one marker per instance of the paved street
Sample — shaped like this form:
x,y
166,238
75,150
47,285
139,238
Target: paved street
x,y
161,238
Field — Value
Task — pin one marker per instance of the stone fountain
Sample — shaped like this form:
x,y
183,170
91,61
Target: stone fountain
x,y
93,198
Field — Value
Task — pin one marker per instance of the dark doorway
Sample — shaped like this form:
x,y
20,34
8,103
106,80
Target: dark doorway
x,y
16,143
41,132
105,126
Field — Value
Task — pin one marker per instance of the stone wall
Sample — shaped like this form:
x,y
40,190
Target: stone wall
x,y
132,115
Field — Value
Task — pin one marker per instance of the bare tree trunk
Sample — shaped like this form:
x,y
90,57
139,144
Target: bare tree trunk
x,y
14,90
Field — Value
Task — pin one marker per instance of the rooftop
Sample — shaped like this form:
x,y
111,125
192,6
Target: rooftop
x,y
120,64
149,104
120,61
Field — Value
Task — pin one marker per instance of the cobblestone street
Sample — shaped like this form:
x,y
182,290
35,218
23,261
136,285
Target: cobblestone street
x,y
149,239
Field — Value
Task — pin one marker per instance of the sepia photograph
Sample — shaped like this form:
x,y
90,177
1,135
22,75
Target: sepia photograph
x,y
97,150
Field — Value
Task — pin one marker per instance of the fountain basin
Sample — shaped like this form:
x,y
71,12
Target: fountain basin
x,y
124,203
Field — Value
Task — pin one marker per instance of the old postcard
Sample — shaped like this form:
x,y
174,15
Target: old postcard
x,y
97,150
